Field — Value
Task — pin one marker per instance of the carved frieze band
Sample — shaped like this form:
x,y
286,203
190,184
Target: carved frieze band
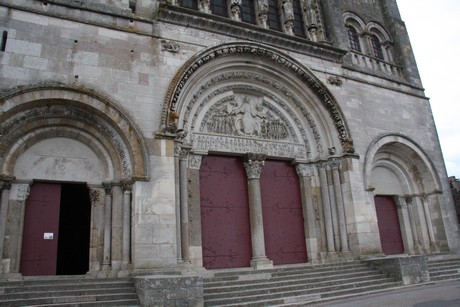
x,y
241,145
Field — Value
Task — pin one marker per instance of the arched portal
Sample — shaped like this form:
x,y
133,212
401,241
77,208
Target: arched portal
x,y
405,189
249,103
60,144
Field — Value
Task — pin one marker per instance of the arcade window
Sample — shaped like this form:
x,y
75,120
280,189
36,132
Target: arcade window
x,y
353,39
299,27
376,47
219,7
274,22
248,13
191,4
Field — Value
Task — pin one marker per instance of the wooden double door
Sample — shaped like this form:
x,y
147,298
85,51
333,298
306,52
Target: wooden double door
x,y
389,227
56,235
226,229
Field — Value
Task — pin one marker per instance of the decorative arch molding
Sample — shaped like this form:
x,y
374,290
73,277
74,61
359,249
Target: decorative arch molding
x,y
33,113
223,67
354,20
406,160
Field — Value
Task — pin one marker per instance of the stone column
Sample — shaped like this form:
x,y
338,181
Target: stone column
x,y
107,251
410,209
127,186
18,195
326,207
406,230
429,224
305,173
5,187
340,207
196,245
177,151
253,164
183,188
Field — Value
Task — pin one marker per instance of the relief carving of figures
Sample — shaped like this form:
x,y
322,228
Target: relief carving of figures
x,y
288,10
246,116
263,12
235,7
311,13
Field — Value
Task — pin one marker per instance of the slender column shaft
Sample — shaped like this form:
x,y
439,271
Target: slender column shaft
x,y
126,255
305,173
326,207
5,190
185,237
340,208
429,225
253,165
107,226
177,151
413,227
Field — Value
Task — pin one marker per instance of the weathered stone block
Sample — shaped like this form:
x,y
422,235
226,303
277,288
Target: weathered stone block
x,y
163,290
408,269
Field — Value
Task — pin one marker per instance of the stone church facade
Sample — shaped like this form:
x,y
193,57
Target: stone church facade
x,y
139,136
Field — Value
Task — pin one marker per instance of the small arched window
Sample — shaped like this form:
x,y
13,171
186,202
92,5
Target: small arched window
x,y
376,47
353,39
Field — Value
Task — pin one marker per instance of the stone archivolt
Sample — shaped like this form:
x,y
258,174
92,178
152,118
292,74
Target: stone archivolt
x,y
235,102
68,112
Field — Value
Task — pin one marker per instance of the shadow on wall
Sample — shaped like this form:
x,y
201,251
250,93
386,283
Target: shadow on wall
x,y
455,187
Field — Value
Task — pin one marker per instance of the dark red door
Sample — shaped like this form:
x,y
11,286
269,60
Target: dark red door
x,y
389,229
224,213
282,213
41,226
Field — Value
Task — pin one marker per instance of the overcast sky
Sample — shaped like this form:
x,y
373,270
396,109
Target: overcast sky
x,y
434,31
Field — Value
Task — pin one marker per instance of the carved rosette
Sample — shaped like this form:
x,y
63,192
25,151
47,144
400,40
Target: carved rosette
x,y
253,164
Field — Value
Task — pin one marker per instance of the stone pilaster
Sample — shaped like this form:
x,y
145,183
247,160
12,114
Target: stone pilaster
x,y
183,191
406,229
127,186
253,164
410,209
335,167
5,187
305,173
326,208
196,246
107,251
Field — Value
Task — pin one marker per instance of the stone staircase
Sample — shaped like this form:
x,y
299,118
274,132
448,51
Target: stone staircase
x,y
292,285
68,291
444,268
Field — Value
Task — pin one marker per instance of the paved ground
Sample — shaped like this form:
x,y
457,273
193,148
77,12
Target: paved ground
x,y
445,294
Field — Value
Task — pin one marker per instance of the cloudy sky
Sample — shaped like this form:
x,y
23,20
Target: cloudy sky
x,y
434,31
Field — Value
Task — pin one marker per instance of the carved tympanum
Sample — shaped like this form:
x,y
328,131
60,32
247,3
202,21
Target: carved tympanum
x,y
245,116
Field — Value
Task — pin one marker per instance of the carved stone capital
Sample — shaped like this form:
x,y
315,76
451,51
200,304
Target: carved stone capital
x,y
23,191
94,195
304,170
194,161
335,164
126,185
184,153
400,203
253,164
107,187
408,200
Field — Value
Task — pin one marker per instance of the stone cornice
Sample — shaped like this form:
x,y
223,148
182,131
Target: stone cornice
x,y
239,30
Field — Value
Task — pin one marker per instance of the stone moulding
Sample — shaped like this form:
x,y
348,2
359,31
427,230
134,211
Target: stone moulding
x,y
190,18
277,59
113,121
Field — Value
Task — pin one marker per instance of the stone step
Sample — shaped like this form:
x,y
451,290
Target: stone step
x,y
68,291
273,299
299,272
47,301
278,282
